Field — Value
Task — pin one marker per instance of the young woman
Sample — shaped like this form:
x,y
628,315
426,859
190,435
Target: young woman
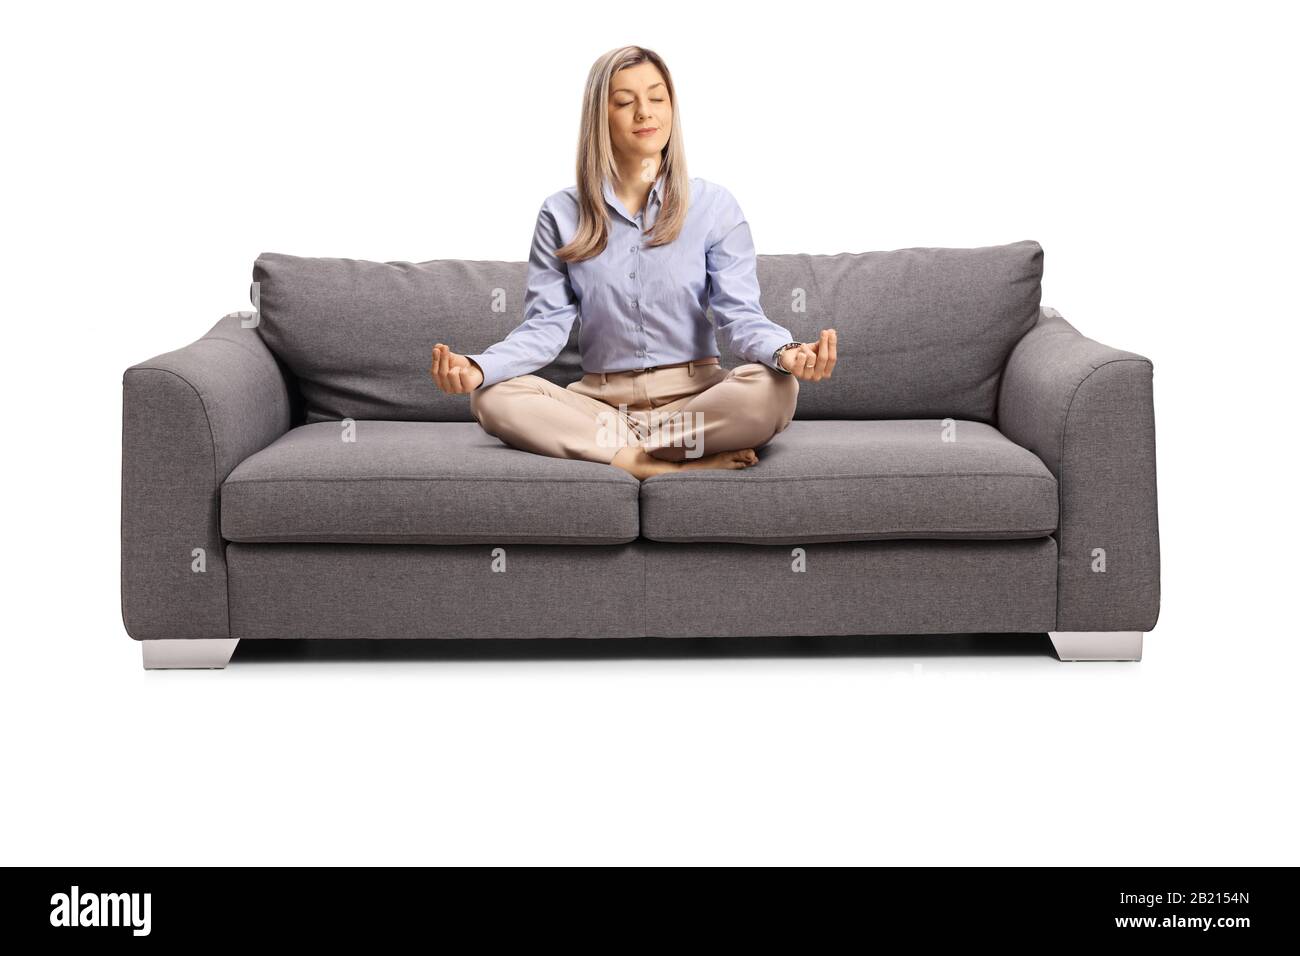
x,y
637,251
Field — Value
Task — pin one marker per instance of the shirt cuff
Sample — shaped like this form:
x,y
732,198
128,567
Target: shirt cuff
x,y
776,366
492,372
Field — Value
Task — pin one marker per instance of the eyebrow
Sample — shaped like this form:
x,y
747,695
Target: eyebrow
x,y
621,90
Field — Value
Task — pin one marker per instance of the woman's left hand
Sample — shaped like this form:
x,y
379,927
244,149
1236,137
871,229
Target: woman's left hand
x,y
811,361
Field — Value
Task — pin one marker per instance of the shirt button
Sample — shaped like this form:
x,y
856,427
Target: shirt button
x,y
631,275
635,248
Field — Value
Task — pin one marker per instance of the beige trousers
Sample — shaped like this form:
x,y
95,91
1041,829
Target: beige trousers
x,y
677,414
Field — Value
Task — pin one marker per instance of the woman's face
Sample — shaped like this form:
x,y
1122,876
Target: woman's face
x,y
638,100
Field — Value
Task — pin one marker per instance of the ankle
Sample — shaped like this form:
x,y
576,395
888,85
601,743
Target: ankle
x,y
639,463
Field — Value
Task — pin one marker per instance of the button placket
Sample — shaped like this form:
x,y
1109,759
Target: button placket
x,y
640,324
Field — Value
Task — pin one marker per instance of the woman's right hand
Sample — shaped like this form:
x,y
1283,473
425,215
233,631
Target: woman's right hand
x,y
455,374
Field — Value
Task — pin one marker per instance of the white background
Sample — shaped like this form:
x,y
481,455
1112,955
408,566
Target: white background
x,y
152,151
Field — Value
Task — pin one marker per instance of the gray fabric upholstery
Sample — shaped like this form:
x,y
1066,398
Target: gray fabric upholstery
x,y
865,587
1087,411
432,591
854,481
359,335
422,483
188,418
393,534
644,588
923,332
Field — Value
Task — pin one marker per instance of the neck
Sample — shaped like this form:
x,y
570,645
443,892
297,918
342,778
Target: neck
x,y
633,186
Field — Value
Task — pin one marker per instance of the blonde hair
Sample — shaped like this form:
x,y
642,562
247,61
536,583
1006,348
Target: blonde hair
x,y
596,160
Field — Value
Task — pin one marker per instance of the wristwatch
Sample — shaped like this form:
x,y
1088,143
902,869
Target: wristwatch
x,y
776,357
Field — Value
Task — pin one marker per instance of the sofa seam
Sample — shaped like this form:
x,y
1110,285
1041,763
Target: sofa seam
x,y
1014,534
1060,464
207,418
475,480
756,478
212,439
310,538
1065,422
975,534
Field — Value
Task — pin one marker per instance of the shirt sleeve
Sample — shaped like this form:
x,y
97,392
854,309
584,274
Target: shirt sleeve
x,y
733,288
549,310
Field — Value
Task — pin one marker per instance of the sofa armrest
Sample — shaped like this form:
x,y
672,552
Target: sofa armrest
x,y
188,418
1086,410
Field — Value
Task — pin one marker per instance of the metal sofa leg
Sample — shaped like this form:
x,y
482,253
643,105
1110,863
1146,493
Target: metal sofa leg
x,y
174,655
1097,645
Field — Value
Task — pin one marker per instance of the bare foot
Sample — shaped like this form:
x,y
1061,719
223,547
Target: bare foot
x,y
729,460
639,463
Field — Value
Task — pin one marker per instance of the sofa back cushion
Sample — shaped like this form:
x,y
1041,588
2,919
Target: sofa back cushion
x,y
358,336
923,332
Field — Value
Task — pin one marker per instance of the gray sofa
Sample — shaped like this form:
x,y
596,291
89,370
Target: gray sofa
x,y
975,465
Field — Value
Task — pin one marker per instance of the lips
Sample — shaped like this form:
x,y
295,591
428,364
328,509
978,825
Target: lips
x,y
645,131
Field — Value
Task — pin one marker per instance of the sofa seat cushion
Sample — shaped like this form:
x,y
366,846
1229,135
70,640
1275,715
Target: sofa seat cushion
x,y
834,480
422,483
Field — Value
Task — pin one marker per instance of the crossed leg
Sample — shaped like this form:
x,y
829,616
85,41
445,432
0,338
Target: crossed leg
x,y
532,414
742,411
749,407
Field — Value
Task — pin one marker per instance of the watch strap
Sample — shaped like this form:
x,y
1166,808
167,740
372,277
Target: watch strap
x,y
776,358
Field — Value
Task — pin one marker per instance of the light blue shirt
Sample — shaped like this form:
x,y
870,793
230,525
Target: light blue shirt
x,y
640,306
